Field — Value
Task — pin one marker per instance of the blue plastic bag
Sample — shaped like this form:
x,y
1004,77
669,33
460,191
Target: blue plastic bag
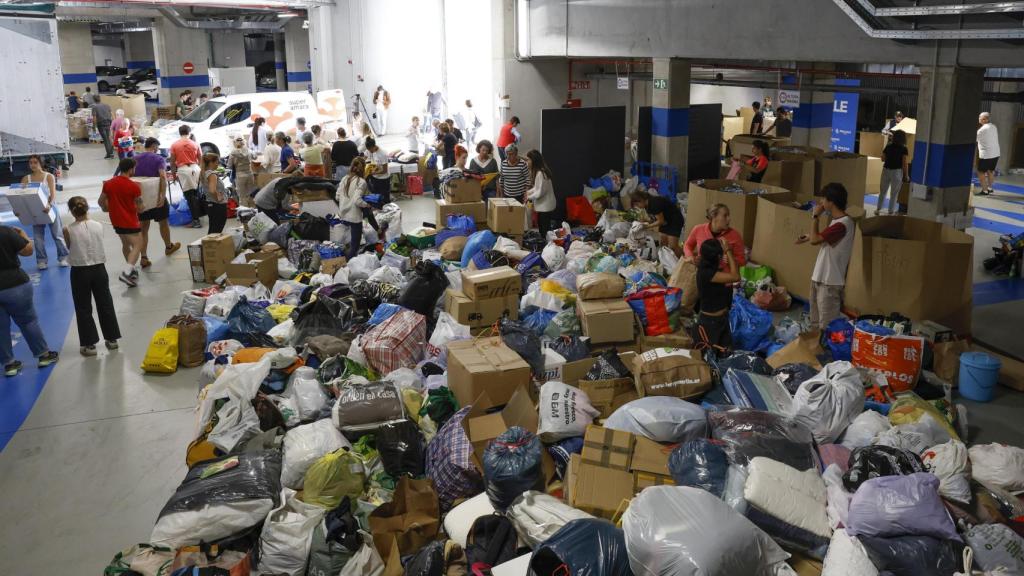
x,y
383,312
179,214
478,241
216,329
839,339
538,320
248,319
461,223
872,328
700,463
750,326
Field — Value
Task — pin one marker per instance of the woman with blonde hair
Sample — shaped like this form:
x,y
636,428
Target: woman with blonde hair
x,y
351,205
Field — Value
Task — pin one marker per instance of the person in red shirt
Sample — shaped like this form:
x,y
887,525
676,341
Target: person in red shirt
x,y
757,165
122,199
717,228
509,134
184,162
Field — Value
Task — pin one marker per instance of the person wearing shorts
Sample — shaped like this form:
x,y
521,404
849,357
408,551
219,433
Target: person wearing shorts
x,y
185,164
151,164
122,199
988,154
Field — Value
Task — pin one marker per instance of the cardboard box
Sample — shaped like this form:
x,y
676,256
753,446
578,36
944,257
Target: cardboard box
x,y
934,332
134,106
195,260
793,172
601,491
909,127
643,480
733,126
478,210
28,202
920,268
850,170
671,372
681,339
873,178
300,195
332,265
259,267
218,252
485,365
608,320
462,190
805,349
506,216
497,282
742,207
150,190
621,450
480,313
607,396
264,178
482,427
574,372
872,143
743,144
1011,373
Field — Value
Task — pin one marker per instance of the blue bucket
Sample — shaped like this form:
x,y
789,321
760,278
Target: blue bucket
x,y
978,375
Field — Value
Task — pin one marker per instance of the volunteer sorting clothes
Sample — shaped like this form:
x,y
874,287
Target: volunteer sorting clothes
x,y
668,220
717,226
485,163
758,164
714,289
351,205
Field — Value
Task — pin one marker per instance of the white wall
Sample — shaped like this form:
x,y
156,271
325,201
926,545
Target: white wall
x,y
100,54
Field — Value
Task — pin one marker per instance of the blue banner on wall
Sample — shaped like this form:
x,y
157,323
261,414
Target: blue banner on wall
x,y
844,117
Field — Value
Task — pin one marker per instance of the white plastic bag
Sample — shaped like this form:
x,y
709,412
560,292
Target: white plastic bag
x,y
360,267
192,305
999,465
257,292
668,259
686,531
446,330
565,412
660,418
370,235
287,292
862,431
240,381
320,279
537,516
829,402
283,332
554,256
838,498
285,269
949,463
916,436
355,351
505,245
997,548
388,275
288,408
306,444
260,226
365,562
341,276
405,378
220,304
847,557
340,234
305,388
287,535
236,422
391,215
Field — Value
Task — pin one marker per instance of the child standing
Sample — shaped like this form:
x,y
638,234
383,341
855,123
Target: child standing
x,y
89,279
124,141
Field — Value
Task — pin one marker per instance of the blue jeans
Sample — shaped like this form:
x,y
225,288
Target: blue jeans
x,y
56,230
16,303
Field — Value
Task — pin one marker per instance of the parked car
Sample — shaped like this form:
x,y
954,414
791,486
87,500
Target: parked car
x,y
129,83
109,77
266,76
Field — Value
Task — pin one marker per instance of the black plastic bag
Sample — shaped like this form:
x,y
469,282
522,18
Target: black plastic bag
x,y
512,465
792,375
246,320
279,235
342,526
586,547
571,348
321,317
525,343
914,555
310,227
744,361
401,448
424,289
257,476
701,464
429,561
748,433
869,462
608,367
533,241
492,540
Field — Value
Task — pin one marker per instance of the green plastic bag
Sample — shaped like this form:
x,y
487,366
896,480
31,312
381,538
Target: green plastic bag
x,y
332,477
752,275
565,323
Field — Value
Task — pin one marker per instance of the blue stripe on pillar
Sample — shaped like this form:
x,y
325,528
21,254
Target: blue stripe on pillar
x,y
670,122
300,76
140,64
85,78
949,165
191,81
279,65
817,115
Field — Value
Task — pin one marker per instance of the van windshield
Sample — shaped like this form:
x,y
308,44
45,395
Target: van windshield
x,y
203,112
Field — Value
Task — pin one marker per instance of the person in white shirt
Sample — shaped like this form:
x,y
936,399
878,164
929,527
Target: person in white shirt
x,y
412,136
89,279
887,129
261,135
542,192
472,124
836,243
988,154
270,161
351,205
380,181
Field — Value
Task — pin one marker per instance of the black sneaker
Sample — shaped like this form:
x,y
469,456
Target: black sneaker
x,y
48,359
112,345
197,224
12,369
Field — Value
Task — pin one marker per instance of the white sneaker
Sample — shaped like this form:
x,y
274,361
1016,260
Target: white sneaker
x,y
63,262
42,265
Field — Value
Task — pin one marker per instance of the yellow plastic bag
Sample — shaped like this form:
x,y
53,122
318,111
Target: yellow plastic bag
x,y
280,312
162,354
333,477
413,401
908,408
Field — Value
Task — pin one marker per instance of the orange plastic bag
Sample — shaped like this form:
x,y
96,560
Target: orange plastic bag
x,y
898,358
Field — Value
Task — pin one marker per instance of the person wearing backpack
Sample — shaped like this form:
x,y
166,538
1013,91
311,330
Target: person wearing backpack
x,y
89,279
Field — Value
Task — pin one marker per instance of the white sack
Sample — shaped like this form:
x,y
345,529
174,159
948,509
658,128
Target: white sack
x,y
660,418
838,498
950,464
360,267
283,332
565,412
554,256
862,431
459,520
847,557
388,275
999,465
220,304
829,401
916,436
306,444
287,535
797,498
309,395
537,516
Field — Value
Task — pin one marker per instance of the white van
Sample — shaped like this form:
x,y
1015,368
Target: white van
x,y
216,123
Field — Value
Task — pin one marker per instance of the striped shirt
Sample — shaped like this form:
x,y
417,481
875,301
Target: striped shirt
x,y
515,179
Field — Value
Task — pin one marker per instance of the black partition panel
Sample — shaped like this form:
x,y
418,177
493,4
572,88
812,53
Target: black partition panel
x,y
705,140
581,143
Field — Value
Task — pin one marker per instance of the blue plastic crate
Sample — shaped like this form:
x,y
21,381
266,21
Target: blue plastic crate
x,y
662,177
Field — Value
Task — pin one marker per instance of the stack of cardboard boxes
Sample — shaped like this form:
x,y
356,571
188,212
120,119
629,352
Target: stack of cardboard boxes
x,y
210,255
486,296
462,196
606,320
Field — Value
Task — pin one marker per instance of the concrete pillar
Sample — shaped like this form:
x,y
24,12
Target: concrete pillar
x,y
296,52
182,57
948,102
76,63
138,51
1004,116
279,62
228,49
670,114
812,121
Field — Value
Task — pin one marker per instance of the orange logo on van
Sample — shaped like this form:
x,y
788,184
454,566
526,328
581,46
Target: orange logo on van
x,y
273,119
334,111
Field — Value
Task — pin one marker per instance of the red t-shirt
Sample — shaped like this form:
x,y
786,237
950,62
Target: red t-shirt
x,y
121,194
185,152
759,163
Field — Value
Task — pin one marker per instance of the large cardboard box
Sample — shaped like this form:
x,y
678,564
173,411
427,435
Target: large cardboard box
x,y
850,170
462,190
733,126
874,176
608,320
482,427
28,202
506,216
150,186
742,207
572,373
624,451
264,178
485,365
496,282
480,313
671,372
921,269
743,144
793,172
259,267
134,106
478,210
601,491
607,396
218,252
872,143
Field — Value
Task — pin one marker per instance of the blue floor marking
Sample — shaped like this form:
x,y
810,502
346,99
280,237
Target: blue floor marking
x,y
1006,213
979,222
998,291
55,309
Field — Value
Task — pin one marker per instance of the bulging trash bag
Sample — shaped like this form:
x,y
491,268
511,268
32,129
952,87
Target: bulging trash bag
x,y
950,465
847,557
512,465
565,411
248,319
333,477
585,547
870,462
360,267
438,558
996,546
538,516
684,531
660,418
304,445
365,407
572,348
900,506
747,434
554,256
914,555
998,465
864,428
915,436
700,463
305,388
828,402
478,241
792,375
401,448
424,289
525,343
750,326
788,504
745,362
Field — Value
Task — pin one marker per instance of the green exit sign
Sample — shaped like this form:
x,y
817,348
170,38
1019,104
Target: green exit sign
x,y
661,84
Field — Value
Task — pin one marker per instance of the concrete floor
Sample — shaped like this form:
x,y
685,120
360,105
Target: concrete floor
x,y
103,445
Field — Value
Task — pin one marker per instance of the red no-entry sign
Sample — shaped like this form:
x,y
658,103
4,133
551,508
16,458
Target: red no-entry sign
x,y
187,67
